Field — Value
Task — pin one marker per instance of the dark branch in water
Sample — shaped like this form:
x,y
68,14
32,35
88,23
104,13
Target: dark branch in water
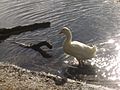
x,y
37,48
5,33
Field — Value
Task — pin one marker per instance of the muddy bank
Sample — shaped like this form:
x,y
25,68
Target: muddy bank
x,y
14,78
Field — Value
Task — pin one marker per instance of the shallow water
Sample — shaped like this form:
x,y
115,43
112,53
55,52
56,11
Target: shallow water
x,y
91,21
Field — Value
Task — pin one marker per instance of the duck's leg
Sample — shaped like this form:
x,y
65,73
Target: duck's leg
x,y
80,63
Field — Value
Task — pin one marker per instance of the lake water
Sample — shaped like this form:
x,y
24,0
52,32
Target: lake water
x,y
91,21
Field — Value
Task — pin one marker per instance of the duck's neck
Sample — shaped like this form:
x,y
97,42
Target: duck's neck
x,y
68,38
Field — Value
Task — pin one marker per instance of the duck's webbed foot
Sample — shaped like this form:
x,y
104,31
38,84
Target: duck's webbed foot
x,y
81,63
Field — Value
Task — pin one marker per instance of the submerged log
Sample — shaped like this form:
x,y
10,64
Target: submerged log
x,y
37,48
6,32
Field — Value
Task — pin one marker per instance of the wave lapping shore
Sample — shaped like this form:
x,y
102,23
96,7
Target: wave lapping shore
x,y
16,78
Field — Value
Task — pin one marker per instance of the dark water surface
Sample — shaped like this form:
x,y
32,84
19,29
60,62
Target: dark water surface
x,y
91,21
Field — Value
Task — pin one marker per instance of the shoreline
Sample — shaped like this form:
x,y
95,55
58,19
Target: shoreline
x,y
16,78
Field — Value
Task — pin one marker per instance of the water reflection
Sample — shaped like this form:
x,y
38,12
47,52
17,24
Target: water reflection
x,y
111,41
109,64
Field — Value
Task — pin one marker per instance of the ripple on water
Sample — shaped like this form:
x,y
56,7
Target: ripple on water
x,y
93,21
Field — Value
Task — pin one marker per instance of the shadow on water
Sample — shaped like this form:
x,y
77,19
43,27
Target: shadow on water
x,y
77,73
86,69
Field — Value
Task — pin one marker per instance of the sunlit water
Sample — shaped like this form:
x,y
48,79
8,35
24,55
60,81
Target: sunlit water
x,y
91,21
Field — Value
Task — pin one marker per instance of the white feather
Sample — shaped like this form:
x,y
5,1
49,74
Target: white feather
x,y
77,49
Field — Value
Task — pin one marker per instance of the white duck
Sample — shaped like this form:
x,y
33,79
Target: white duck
x,y
77,49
